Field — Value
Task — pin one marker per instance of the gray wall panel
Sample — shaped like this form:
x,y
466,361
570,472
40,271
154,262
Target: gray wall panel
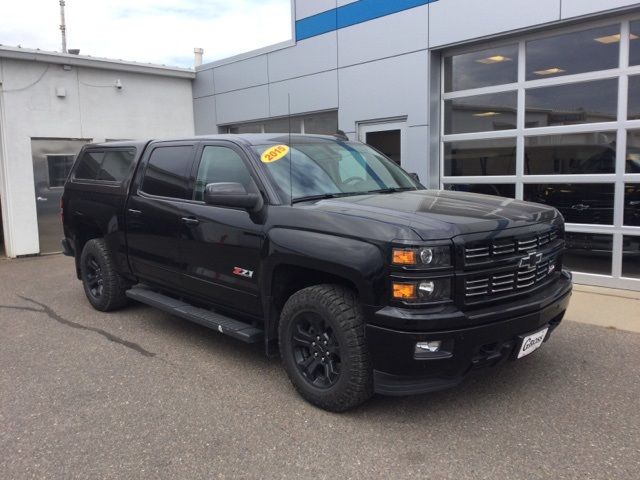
x,y
313,55
203,83
574,8
393,87
308,94
417,158
243,105
241,74
384,37
452,21
306,8
204,113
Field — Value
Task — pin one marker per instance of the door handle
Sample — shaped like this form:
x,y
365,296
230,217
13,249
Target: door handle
x,y
133,212
41,199
190,221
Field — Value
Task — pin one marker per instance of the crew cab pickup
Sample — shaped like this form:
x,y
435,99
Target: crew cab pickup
x,y
323,250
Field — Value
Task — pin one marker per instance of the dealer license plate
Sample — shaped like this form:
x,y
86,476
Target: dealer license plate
x,y
532,342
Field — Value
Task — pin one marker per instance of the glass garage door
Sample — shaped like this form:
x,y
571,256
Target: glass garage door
x,y
555,119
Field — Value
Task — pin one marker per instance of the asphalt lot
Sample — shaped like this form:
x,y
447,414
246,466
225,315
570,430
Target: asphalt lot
x,y
141,394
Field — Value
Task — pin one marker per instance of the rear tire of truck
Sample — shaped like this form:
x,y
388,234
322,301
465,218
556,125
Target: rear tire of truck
x,y
323,347
104,287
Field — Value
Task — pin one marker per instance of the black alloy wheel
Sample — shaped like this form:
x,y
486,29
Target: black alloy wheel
x,y
323,347
316,350
104,287
94,277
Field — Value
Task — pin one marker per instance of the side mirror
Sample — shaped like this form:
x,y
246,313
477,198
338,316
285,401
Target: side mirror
x,y
231,195
415,177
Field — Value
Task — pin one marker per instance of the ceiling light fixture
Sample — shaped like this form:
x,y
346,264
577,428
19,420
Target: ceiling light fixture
x,y
486,114
494,59
607,39
549,71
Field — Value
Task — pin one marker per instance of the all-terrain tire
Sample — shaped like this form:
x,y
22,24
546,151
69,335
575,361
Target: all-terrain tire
x,y
337,309
103,286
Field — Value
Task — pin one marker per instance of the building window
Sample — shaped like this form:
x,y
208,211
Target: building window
x,y
548,119
582,102
480,157
481,113
59,167
575,52
321,123
482,68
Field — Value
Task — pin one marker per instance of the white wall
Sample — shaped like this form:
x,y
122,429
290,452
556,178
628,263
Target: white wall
x,y
148,106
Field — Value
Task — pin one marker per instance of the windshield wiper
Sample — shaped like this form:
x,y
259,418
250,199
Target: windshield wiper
x,y
391,190
309,198
324,196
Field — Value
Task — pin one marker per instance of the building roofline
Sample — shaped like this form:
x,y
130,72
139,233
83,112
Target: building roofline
x,y
44,56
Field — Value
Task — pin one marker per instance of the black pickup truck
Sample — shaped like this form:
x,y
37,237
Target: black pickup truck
x,y
324,250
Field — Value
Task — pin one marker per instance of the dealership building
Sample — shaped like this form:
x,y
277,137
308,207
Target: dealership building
x,y
528,100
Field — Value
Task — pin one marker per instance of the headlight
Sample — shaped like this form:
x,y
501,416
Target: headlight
x,y
422,291
431,257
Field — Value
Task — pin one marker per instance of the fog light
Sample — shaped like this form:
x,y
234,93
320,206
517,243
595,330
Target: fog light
x,y
426,288
431,347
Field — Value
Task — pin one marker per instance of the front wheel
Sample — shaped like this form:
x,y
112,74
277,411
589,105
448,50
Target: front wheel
x,y
104,287
322,342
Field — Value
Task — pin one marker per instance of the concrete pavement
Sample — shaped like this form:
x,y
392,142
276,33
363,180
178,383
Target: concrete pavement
x,y
141,394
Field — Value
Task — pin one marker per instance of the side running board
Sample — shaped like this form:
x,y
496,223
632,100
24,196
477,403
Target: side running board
x,y
207,318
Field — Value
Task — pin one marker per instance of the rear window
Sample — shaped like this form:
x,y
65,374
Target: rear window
x,y
167,173
106,165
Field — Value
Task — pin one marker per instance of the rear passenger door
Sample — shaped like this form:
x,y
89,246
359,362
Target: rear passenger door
x,y
156,213
221,245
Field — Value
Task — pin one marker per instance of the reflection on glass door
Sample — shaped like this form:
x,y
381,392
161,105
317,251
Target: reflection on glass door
x,y
52,161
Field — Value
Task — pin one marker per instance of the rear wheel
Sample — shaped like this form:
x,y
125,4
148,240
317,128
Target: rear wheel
x,y
323,347
103,286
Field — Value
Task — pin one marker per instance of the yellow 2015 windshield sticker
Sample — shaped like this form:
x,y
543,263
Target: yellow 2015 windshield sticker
x,y
274,153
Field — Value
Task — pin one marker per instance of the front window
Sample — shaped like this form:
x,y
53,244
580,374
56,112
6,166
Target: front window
x,y
328,168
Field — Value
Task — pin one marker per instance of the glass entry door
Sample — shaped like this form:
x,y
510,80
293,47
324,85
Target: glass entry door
x,y
52,161
388,137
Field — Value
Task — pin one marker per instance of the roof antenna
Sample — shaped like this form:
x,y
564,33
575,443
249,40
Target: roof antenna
x,y
63,27
290,151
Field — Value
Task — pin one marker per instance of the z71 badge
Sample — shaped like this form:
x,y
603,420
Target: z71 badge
x,y
242,272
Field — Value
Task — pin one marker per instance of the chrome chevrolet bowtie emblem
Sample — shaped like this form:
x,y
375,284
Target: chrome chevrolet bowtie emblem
x,y
530,260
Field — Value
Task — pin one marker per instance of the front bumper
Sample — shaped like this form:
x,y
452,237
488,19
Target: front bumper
x,y
487,339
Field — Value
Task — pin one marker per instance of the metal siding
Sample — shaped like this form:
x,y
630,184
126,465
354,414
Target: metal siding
x,y
351,14
324,96
574,8
243,105
308,8
203,83
314,55
241,74
417,157
403,32
452,21
392,87
204,113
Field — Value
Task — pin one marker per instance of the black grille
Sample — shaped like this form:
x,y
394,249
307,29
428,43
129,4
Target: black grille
x,y
489,286
484,251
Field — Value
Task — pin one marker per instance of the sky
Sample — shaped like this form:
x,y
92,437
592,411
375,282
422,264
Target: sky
x,y
153,31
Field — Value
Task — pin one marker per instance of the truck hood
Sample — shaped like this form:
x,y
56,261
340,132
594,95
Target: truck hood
x,y
440,214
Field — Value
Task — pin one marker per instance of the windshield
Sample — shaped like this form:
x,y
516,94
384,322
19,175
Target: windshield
x,y
331,168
